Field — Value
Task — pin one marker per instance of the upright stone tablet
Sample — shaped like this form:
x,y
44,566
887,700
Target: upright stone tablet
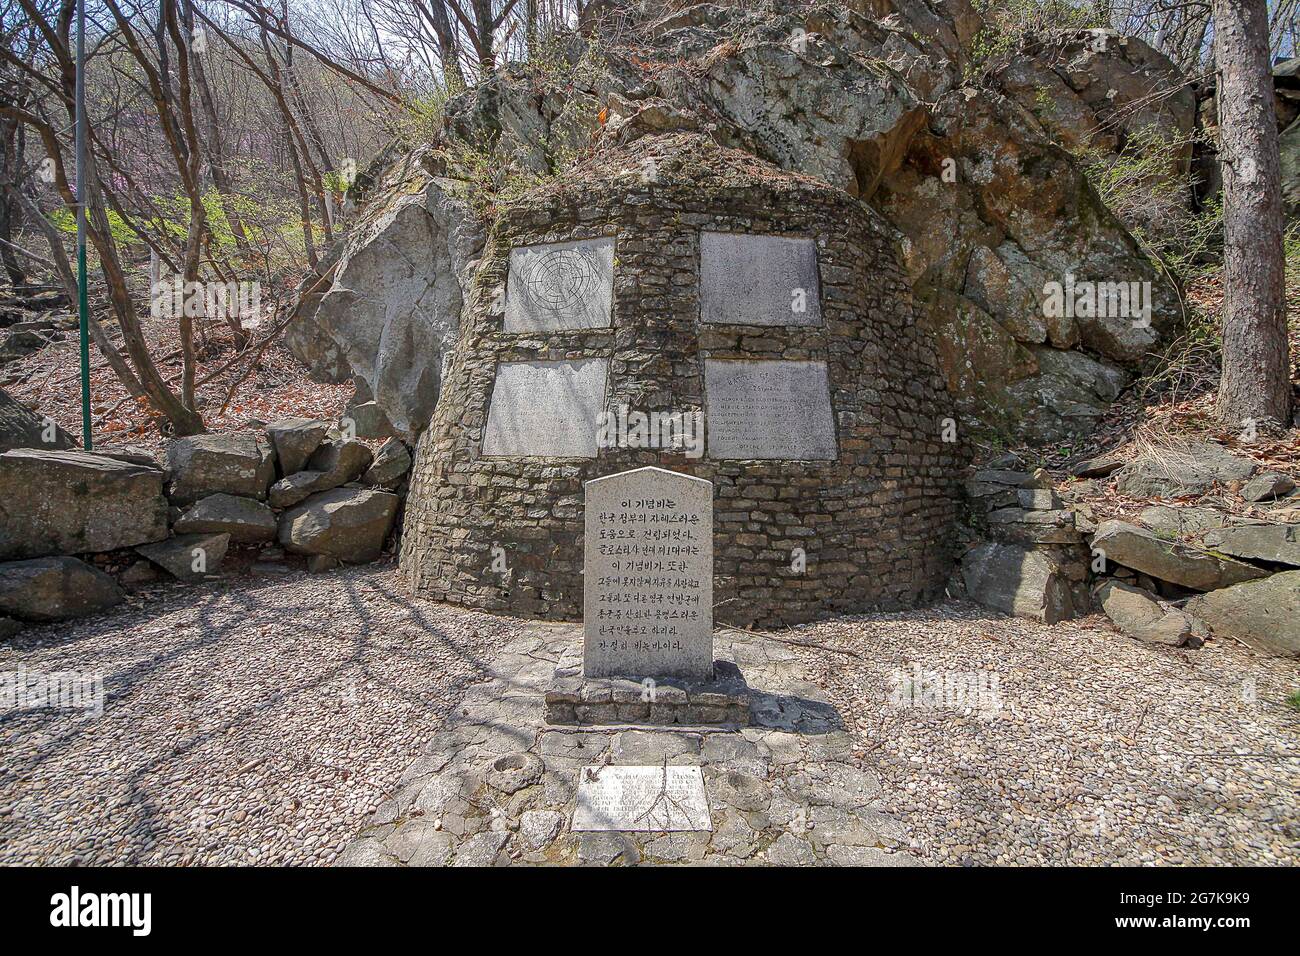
x,y
560,285
758,280
545,409
648,576
768,409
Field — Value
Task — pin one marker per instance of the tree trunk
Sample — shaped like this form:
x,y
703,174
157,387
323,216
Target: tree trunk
x,y
11,158
1256,382
448,46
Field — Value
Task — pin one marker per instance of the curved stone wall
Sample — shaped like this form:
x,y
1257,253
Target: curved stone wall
x,y
861,519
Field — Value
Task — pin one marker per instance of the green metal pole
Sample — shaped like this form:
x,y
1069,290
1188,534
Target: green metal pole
x,y
83,301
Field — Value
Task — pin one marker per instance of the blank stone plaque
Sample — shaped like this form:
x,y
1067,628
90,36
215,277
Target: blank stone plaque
x,y
648,576
560,285
768,409
545,409
758,280
642,800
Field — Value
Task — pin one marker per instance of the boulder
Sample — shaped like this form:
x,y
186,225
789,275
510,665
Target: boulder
x,y
1007,478
188,557
1136,548
366,420
241,463
340,462
1263,614
131,454
295,440
139,573
391,464
1137,613
246,521
1276,543
1018,581
1007,461
1267,487
51,589
1192,468
73,502
20,427
1039,499
290,490
350,524
1100,467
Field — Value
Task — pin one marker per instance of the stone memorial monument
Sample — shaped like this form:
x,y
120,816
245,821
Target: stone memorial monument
x,y
647,653
648,573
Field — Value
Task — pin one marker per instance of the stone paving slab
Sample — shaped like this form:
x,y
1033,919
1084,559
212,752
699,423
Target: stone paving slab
x,y
497,784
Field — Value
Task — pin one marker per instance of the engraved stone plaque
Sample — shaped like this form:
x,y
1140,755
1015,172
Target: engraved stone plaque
x,y
758,280
642,800
560,285
769,409
648,576
545,409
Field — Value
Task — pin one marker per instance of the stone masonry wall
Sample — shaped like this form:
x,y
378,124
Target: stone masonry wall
x,y
874,524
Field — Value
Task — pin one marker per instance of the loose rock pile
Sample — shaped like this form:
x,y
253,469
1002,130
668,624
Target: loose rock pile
x,y
1174,576
1034,566
298,485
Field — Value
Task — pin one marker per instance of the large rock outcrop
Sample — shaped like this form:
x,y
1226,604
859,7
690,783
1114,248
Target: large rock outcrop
x,y
970,162
388,303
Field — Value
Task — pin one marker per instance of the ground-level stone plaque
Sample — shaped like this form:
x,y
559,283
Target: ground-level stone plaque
x,y
560,285
768,409
758,280
546,409
648,576
642,799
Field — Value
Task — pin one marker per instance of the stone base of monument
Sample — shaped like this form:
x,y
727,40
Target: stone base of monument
x,y
572,698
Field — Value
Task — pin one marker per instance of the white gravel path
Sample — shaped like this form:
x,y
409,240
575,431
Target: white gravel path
x,y
260,721
1104,749
248,721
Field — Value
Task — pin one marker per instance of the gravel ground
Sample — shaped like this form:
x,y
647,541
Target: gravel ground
x,y
246,721
261,721
1103,749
